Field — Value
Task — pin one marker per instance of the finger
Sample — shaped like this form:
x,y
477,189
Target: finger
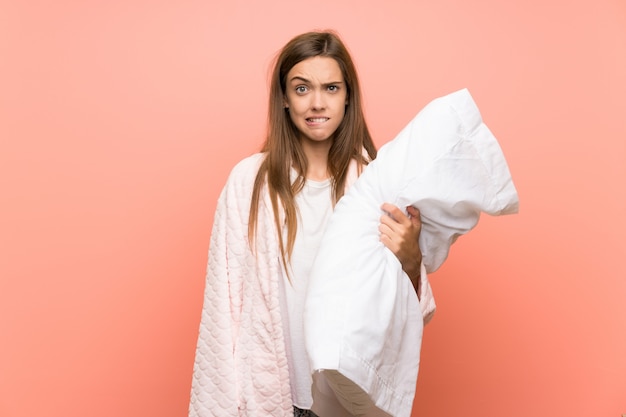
x,y
394,226
413,211
389,222
414,216
386,230
396,214
389,243
390,238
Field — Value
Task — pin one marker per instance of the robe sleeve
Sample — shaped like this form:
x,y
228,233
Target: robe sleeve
x,y
215,390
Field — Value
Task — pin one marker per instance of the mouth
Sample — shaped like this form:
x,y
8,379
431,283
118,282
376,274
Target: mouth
x,y
316,120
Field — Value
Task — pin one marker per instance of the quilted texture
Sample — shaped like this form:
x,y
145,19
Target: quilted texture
x,y
241,364
362,327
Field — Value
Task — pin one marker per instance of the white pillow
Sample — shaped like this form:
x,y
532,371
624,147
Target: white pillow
x,y
362,317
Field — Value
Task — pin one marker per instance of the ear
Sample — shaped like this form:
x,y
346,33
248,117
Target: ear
x,y
285,103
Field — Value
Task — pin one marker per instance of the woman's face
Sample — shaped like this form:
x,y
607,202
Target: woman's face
x,y
316,95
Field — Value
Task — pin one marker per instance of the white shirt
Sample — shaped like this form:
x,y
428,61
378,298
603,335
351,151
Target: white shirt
x,y
314,204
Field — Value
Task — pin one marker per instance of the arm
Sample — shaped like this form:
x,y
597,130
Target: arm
x,y
400,234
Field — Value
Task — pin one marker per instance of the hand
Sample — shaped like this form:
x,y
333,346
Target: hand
x,y
400,234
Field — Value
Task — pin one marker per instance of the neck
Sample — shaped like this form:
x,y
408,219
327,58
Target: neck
x,y
317,158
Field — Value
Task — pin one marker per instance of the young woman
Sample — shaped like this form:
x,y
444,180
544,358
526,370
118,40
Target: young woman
x,y
250,359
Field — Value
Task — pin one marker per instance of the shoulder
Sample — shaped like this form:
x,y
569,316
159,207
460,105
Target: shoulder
x,y
245,171
248,165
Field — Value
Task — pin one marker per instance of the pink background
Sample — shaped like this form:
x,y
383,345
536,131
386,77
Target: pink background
x,y
120,120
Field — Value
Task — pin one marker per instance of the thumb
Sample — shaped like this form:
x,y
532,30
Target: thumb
x,y
414,215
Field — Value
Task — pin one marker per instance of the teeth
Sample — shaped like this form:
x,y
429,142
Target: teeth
x,y
318,119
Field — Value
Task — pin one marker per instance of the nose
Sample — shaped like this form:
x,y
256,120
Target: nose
x,y
318,100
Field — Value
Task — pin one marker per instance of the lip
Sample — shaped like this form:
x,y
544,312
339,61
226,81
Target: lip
x,y
316,121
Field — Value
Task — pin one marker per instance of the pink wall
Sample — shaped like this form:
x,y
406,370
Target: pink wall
x,y
119,121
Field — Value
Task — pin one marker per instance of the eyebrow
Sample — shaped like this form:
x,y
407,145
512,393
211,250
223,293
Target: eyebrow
x,y
298,78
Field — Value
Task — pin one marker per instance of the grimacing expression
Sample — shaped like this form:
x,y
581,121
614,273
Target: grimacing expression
x,y
316,96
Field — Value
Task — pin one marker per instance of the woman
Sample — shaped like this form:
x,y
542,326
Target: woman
x,y
250,359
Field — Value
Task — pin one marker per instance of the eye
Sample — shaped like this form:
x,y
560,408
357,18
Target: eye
x,y
333,88
301,89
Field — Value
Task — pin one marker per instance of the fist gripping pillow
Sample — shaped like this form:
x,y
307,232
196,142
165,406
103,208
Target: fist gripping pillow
x,y
363,321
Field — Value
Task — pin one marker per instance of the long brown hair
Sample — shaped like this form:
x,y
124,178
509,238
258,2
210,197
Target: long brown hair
x,y
282,145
